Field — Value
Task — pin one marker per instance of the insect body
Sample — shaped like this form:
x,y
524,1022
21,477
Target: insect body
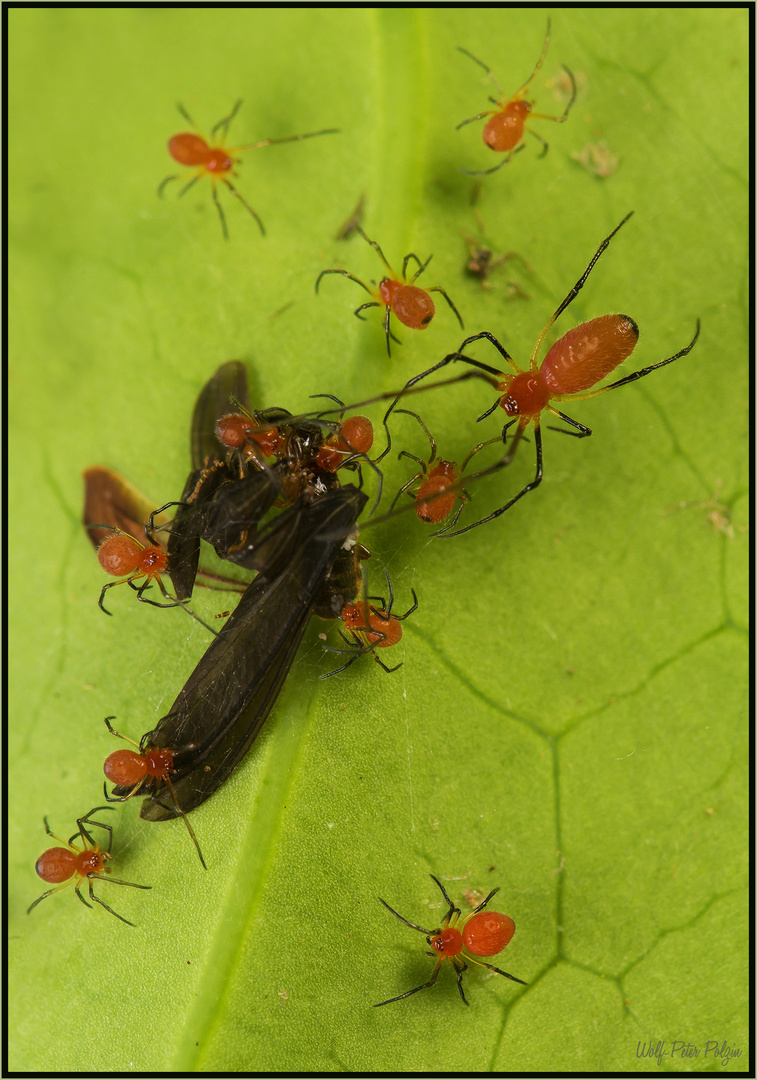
x,y
228,517
507,123
59,866
481,933
226,510
343,582
212,159
412,305
572,367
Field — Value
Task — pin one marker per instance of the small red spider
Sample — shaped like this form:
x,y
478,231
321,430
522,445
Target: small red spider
x,y
505,129
412,305
482,933
212,159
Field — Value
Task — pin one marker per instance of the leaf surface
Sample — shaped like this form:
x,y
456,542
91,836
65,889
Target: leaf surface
x,y
570,719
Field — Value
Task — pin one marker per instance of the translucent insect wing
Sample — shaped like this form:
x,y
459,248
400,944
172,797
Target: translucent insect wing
x,y
109,498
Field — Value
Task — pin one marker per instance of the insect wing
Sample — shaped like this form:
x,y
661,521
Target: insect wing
x,y
213,402
244,714
109,498
219,712
184,537
208,470
225,512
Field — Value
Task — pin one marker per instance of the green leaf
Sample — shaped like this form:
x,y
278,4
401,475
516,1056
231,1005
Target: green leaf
x,y
570,720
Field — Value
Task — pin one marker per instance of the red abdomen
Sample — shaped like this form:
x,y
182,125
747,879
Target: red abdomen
x,y
504,130
188,149
488,932
587,353
411,304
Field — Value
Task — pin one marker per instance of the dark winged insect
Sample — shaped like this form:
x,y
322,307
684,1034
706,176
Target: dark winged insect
x,y
221,502
231,488
59,866
229,516
481,933
227,698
